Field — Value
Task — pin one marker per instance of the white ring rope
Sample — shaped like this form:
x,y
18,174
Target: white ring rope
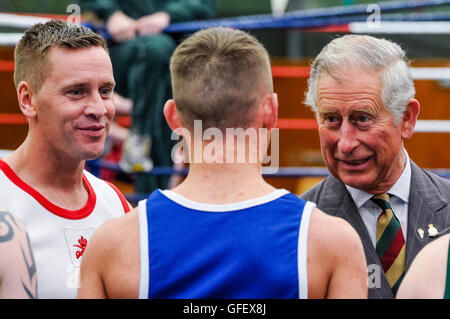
x,y
432,126
10,39
20,21
401,27
438,73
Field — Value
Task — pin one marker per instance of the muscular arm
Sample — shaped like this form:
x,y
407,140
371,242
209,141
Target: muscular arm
x,y
17,266
336,264
427,274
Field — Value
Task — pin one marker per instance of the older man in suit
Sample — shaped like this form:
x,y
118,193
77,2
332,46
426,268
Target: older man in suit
x,y
363,96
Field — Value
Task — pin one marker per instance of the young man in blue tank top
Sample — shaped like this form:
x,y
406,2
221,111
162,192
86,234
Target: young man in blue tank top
x,y
224,232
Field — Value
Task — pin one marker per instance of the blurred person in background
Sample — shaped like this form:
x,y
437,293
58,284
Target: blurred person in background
x,y
140,53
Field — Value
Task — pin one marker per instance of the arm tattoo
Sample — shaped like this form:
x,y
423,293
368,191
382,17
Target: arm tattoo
x,y
4,222
31,268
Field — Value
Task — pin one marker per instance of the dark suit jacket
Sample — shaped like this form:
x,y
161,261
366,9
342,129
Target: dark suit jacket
x,y
428,204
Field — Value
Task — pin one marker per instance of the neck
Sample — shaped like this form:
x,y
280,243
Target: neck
x,y
40,168
222,183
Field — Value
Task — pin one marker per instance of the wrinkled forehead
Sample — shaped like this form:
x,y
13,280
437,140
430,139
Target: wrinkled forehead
x,y
350,73
349,80
349,89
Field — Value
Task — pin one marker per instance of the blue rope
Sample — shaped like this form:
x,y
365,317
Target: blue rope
x,y
308,23
284,172
309,18
94,167
305,18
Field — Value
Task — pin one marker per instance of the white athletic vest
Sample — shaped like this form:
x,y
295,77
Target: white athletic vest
x,y
59,236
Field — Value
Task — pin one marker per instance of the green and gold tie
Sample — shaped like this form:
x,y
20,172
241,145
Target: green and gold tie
x,y
391,248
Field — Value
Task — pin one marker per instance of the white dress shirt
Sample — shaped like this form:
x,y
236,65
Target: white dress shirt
x,y
399,202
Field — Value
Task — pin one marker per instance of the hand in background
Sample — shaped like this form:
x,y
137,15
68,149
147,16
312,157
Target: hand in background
x,y
153,23
121,27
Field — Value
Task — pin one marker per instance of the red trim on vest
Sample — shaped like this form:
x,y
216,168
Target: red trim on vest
x,y
52,208
122,198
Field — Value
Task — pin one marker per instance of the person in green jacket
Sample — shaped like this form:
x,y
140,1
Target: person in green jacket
x,y
140,53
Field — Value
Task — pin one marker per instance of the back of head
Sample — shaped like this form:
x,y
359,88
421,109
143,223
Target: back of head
x,y
31,53
218,75
379,56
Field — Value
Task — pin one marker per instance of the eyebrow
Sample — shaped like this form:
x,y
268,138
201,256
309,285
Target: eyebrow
x,y
327,112
84,84
360,110
109,83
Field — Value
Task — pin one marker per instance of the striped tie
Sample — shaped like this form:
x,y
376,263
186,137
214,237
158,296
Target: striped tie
x,y
391,248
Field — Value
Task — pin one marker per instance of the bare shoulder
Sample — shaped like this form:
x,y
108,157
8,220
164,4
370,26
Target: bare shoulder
x,y
426,276
113,247
17,266
438,246
332,232
333,237
336,261
9,222
115,233
13,235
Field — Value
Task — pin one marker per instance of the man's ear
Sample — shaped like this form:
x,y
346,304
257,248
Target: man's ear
x,y
270,111
409,118
25,97
171,115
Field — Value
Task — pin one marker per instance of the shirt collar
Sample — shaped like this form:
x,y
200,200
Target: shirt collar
x,y
399,189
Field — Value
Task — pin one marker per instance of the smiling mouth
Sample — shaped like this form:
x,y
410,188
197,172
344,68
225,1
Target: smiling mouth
x,y
356,162
93,131
92,128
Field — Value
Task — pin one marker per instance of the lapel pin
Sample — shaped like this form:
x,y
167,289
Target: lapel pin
x,y
432,231
421,232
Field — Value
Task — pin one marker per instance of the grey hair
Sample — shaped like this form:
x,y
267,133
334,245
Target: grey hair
x,y
373,54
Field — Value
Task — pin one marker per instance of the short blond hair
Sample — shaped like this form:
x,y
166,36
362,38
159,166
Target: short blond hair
x,y
31,53
218,75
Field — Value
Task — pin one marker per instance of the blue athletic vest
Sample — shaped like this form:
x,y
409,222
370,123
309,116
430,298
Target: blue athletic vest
x,y
244,250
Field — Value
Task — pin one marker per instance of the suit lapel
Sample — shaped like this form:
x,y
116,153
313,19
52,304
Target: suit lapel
x,y
425,204
337,201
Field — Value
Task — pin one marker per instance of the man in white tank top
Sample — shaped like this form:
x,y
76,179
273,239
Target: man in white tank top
x,y
64,81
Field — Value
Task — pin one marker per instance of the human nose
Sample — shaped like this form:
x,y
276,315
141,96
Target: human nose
x,y
348,138
96,106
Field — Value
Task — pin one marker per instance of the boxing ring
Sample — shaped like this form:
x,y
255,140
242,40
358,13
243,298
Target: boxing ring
x,y
397,17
